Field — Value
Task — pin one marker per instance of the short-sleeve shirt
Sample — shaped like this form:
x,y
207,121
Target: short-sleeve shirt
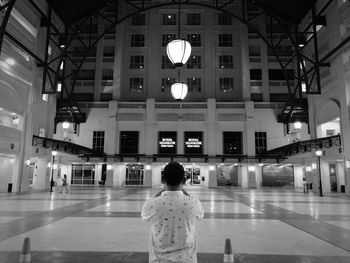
x,y
173,235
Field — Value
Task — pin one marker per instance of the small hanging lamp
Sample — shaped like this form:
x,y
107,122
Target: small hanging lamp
x,y
178,50
179,90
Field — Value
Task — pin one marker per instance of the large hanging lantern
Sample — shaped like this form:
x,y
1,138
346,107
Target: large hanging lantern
x,y
179,90
178,51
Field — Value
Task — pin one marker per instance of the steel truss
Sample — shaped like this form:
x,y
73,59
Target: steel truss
x,y
62,64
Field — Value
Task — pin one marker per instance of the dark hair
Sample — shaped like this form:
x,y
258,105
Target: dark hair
x,y
173,173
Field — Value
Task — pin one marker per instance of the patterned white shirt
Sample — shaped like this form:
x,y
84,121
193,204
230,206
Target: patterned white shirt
x,y
173,235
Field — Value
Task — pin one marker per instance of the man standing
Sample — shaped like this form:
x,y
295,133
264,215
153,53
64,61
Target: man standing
x,y
172,214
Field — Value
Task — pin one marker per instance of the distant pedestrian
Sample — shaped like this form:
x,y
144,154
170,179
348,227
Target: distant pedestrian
x,y
172,214
64,183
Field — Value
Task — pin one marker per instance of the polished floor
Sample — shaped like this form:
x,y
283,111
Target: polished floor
x,y
103,225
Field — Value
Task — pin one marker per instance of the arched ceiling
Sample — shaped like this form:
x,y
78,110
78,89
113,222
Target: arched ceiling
x,y
291,11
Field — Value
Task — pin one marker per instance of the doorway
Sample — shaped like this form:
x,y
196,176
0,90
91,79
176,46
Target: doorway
x,y
134,174
333,177
193,176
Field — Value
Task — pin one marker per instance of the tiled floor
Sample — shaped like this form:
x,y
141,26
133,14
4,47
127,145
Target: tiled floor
x,y
103,225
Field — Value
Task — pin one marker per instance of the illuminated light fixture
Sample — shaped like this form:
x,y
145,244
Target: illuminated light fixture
x,y
261,164
28,162
54,153
49,165
308,168
1,108
65,125
148,167
109,167
59,86
235,164
337,119
13,114
62,65
297,125
211,168
303,86
178,50
179,91
318,152
313,166
10,61
251,168
301,40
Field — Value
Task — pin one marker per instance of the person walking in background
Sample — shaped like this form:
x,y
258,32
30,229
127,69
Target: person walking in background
x,y
172,214
64,183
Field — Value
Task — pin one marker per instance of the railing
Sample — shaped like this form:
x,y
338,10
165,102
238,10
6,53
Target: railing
x,y
304,146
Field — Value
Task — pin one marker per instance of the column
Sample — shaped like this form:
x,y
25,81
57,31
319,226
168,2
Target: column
x,y
99,66
249,148
112,128
118,61
245,66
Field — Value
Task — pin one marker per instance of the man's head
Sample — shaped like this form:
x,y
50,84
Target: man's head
x,y
173,174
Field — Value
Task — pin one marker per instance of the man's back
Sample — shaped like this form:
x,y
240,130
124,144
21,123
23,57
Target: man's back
x,y
173,236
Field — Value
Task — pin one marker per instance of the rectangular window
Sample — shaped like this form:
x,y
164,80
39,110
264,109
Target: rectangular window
x,y
107,74
254,51
169,19
232,143
129,142
166,63
277,74
193,19
225,40
83,174
138,19
137,62
98,141
194,39
136,84
255,74
226,84
193,143
224,19
167,142
260,142
194,84
137,40
108,51
166,83
225,61
166,38
194,62
86,74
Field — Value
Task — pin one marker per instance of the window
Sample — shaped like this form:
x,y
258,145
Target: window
x,y
226,84
194,84
136,84
45,97
108,51
194,39
225,61
166,83
254,51
260,142
107,74
194,62
277,74
169,19
255,74
129,142
98,141
193,142
83,174
167,142
137,40
193,19
166,63
137,62
138,20
225,40
86,74
232,142
166,38
224,19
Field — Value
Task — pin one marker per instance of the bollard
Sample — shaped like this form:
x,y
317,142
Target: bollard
x,y
25,256
228,256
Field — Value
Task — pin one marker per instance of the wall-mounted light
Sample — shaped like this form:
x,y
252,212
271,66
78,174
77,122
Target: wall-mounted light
x,y
308,168
148,167
297,125
318,153
313,166
211,168
109,167
251,168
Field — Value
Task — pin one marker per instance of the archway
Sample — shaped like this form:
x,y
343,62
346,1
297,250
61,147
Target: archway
x,y
328,119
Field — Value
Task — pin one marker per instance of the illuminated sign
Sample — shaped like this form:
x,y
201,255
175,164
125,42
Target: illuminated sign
x,y
193,143
167,142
